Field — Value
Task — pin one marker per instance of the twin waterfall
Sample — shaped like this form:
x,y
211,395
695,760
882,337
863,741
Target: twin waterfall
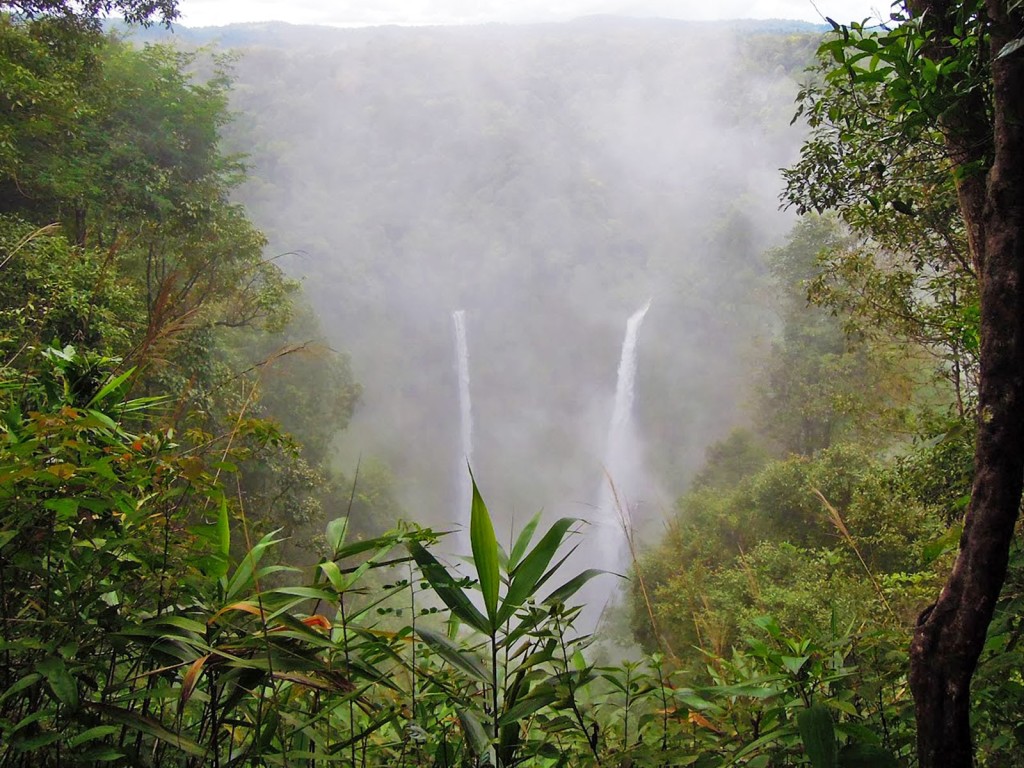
x,y
621,469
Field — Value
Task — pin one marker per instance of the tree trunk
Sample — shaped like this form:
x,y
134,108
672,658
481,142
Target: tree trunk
x,y
951,634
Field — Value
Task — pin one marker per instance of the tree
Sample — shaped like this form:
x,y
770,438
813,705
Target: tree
x,y
949,75
88,12
820,384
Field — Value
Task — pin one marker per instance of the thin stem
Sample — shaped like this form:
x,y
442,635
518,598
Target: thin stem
x,y
494,685
591,742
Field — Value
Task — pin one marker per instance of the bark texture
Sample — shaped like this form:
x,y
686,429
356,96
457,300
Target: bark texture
x,y
951,634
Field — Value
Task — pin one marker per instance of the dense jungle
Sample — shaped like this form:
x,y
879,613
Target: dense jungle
x,y
615,392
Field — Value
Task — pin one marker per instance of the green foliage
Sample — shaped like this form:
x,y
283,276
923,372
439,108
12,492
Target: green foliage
x,y
179,652
138,625
770,545
998,683
533,663
730,461
88,13
52,291
876,156
153,263
822,381
93,538
145,615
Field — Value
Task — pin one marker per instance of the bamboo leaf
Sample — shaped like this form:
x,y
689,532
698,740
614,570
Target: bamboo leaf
x,y
475,735
223,529
109,387
329,686
25,682
527,576
245,606
573,586
188,682
453,654
149,727
178,622
336,530
358,547
522,542
556,567
101,753
6,537
98,732
446,588
311,593
244,572
300,627
539,698
334,575
485,554
1010,48
102,419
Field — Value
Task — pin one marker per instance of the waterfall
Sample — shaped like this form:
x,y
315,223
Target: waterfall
x,y
465,497
621,461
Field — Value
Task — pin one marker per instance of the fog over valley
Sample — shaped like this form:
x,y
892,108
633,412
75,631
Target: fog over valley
x,y
547,180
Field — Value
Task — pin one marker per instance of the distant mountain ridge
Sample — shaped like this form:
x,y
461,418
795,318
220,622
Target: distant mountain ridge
x,y
282,33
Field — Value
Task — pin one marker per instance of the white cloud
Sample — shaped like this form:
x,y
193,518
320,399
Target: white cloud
x,y
361,13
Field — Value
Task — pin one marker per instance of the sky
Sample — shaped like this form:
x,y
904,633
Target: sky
x,y
198,13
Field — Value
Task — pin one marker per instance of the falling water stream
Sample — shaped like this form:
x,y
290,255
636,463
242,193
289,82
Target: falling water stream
x,y
621,460
465,486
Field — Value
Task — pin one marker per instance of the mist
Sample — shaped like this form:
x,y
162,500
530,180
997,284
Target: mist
x,y
547,180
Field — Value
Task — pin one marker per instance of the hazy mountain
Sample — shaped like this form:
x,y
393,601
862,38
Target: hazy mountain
x,y
548,180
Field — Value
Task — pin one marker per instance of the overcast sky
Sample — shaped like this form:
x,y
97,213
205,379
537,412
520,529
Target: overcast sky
x,y
196,13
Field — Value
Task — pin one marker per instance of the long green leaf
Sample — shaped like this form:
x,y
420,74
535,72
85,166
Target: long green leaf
x,y
336,530
573,586
475,734
6,537
527,576
522,542
444,584
385,542
109,387
485,554
244,572
61,682
539,698
454,655
311,593
148,726
26,682
557,566
178,622
818,735
223,529
333,573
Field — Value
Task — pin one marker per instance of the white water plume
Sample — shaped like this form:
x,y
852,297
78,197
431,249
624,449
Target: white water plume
x,y
465,484
621,458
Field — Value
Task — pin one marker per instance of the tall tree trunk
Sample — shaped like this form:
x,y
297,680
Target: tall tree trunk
x,y
951,634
